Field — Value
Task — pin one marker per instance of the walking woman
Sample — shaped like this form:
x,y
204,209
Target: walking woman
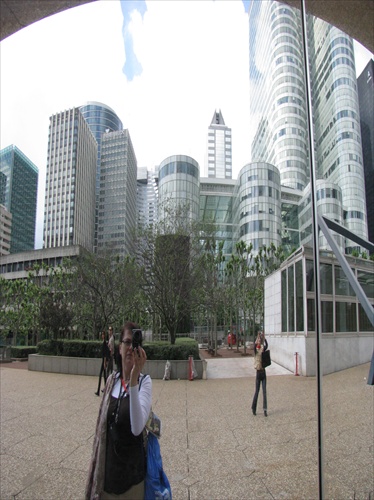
x,y
117,468
261,345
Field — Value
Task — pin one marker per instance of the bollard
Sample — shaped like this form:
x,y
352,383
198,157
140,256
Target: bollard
x,y
190,367
297,364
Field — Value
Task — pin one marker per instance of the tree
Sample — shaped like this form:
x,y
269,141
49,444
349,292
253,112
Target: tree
x,y
171,260
213,291
105,290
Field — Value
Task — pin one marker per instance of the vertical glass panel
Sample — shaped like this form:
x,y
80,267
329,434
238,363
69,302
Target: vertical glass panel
x,y
364,323
326,278
327,316
299,296
366,281
311,315
342,285
309,276
346,317
284,301
291,300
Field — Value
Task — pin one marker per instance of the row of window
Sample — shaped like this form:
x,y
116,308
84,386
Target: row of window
x,y
178,167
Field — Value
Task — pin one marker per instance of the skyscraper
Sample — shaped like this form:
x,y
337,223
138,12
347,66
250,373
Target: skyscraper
x,y
18,194
147,196
365,87
280,123
219,154
100,118
117,197
69,209
5,230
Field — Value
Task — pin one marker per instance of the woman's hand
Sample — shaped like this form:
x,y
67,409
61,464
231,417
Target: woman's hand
x,y
140,358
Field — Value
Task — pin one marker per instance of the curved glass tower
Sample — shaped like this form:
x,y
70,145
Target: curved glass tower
x,y
278,110
258,205
179,185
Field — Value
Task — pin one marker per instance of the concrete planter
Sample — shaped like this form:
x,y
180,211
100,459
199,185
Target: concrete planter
x,y
91,366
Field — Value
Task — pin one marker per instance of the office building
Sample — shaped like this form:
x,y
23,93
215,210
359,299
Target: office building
x,y
18,194
219,148
278,112
179,185
117,195
69,209
146,196
257,205
216,208
290,320
365,87
100,118
5,230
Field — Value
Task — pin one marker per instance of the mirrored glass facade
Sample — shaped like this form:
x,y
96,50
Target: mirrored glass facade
x,y
18,194
278,112
117,196
257,205
100,118
179,184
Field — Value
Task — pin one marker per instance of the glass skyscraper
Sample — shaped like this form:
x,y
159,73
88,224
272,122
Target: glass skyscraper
x,y
179,185
100,118
365,85
18,194
69,209
278,113
147,196
219,154
117,196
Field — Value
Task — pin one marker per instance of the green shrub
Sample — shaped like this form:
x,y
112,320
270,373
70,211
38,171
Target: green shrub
x,y
92,349
164,350
23,351
72,348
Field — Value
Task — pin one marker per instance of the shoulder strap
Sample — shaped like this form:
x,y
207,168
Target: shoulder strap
x,y
141,380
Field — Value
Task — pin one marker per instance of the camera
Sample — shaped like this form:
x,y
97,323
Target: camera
x,y
136,339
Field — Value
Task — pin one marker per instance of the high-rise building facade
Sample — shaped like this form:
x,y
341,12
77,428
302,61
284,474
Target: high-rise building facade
x,y
219,148
179,185
257,205
18,193
117,196
69,209
5,230
278,111
365,86
100,118
146,196
216,208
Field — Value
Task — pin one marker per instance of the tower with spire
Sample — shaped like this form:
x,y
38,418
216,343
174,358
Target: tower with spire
x,y
219,153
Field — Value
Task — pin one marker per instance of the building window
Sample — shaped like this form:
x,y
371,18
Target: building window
x,y
284,301
346,317
327,316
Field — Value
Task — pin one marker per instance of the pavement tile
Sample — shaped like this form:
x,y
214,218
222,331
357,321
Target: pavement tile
x,y
212,446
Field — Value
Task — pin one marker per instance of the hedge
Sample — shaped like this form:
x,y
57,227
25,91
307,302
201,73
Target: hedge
x,y
22,351
92,349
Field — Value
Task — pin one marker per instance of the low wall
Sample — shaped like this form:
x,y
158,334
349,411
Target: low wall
x,y
91,366
337,353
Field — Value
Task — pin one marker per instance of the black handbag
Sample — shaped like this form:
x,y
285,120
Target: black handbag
x,y
265,359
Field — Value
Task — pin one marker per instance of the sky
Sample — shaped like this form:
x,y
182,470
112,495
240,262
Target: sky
x,y
164,67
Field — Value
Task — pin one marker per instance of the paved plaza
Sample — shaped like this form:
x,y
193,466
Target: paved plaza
x,y
212,446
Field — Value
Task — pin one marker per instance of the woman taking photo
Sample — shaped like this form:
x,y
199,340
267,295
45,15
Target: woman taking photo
x,y
260,346
117,468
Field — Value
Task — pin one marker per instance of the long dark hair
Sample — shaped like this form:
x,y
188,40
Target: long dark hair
x,y
128,326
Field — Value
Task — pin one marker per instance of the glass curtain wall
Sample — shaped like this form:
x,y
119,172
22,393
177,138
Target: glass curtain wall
x,y
279,136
